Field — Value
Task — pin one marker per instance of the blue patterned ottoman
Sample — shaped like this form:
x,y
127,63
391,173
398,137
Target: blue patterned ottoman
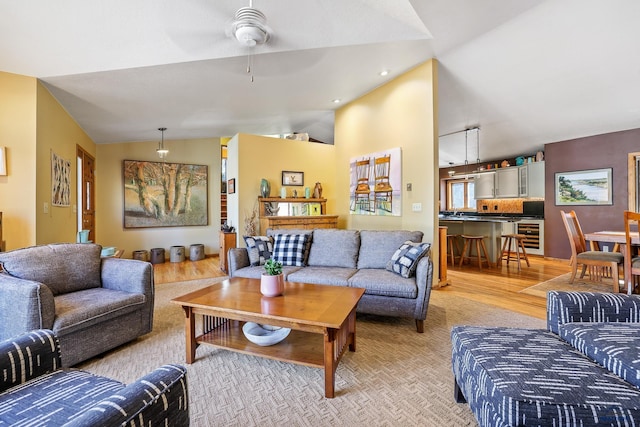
x,y
530,377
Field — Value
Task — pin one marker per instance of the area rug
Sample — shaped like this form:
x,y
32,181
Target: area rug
x,y
561,283
396,377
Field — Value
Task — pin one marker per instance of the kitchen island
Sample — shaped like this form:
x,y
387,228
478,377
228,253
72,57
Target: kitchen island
x,y
480,225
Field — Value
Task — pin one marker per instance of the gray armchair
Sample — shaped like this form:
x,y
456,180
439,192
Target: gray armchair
x,y
92,304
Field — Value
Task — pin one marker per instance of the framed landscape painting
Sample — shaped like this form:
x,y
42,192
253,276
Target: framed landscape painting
x,y
587,187
162,194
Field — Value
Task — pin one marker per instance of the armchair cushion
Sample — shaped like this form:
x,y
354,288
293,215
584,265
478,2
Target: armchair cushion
x,y
615,346
63,267
79,310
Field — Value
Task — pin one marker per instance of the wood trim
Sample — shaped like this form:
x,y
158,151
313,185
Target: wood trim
x,y
632,179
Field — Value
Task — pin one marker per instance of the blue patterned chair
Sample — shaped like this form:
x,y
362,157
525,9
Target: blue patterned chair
x,y
36,391
582,371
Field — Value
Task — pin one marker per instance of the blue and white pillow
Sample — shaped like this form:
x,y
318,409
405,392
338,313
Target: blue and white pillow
x,y
289,249
259,249
405,259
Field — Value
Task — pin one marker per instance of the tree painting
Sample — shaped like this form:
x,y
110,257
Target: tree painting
x,y
160,194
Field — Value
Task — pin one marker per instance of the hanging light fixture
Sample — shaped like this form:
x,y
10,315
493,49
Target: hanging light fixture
x,y
162,151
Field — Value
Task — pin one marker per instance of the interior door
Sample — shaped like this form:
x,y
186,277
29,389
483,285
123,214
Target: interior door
x,y
86,192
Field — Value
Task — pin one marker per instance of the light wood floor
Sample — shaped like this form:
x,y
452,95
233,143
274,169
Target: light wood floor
x,y
494,286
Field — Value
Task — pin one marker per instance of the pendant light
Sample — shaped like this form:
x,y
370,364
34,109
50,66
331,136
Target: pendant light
x,y
162,151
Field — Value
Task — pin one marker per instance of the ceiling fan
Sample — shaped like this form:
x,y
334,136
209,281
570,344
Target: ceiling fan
x,y
249,28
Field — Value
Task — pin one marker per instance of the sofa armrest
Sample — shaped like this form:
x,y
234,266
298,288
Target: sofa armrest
x,y
158,398
28,356
25,305
567,307
238,258
424,281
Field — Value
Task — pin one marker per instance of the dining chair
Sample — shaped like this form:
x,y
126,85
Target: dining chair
x,y
600,264
631,258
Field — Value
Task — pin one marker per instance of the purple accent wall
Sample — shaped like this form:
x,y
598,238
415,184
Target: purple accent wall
x,y
594,152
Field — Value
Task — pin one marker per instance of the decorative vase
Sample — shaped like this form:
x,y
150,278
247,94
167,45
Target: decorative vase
x,y
317,191
307,192
283,193
272,286
265,188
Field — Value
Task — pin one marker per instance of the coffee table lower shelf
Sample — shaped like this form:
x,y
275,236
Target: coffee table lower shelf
x,y
303,348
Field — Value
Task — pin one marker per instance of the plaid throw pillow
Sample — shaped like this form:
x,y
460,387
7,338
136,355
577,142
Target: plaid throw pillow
x,y
405,260
259,248
289,249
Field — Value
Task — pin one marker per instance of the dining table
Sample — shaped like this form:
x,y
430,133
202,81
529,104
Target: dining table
x,y
618,238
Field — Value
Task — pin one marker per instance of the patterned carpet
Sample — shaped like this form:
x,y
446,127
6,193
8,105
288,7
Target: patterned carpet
x,y
561,283
396,376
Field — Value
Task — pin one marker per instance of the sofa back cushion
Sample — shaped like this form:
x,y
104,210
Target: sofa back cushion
x,y
378,246
335,248
63,267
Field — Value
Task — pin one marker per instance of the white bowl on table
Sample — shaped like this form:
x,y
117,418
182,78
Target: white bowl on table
x,y
264,335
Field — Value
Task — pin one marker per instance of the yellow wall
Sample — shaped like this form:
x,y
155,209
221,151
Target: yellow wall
x,y
401,113
18,134
265,157
109,202
56,132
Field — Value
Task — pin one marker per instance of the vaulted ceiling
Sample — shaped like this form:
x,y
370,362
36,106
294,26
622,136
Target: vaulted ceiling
x,y
525,72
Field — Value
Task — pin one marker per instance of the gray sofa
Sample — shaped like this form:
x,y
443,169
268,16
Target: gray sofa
x,y
37,392
582,371
357,259
92,304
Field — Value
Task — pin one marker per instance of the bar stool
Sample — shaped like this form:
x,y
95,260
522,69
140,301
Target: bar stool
x,y
452,247
508,254
481,250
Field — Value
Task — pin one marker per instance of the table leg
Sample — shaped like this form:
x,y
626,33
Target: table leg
x,y
190,334
352,330
329,363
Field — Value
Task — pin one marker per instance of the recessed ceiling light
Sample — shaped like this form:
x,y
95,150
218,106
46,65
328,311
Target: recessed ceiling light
x,y
384,73
336,101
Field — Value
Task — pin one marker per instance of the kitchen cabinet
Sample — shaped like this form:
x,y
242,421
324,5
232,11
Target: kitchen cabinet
x,y
484,186
506,183
531,180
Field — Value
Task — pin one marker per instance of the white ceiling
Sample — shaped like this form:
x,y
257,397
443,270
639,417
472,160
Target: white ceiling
x,y
526,72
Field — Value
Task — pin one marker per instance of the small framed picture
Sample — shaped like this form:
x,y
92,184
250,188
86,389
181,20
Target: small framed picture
x,y
293,178
231,186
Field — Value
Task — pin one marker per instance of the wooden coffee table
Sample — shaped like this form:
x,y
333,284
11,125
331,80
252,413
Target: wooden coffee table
x,y
307,309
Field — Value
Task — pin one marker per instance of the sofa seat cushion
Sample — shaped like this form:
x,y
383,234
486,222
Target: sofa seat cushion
x,y
63,267
336,276
616,346
54,398
81,309
532,377
377,247
384,283
256,272
334,248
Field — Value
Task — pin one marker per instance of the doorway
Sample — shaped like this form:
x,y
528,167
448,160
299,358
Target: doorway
x,y
86,193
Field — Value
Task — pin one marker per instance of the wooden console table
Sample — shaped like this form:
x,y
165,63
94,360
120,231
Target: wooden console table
x,y
309,221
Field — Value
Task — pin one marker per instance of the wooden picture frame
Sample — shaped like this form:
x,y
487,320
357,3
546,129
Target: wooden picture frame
x,y
163,194
291,178
231,186
585,187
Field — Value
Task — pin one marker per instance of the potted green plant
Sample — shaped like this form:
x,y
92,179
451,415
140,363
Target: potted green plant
x,y
272,281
